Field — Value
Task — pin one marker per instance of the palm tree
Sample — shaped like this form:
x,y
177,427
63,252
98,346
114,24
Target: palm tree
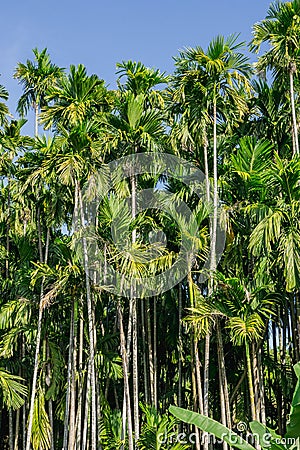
x,y
36,78
271,115
75,157
135,127
277,234
140,79
76,97
246,310
280,29
207,81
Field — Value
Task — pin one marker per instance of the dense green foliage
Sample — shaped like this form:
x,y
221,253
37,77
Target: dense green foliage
x,y
82,368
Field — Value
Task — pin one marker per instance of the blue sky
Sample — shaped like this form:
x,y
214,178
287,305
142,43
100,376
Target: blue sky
x,y
100,33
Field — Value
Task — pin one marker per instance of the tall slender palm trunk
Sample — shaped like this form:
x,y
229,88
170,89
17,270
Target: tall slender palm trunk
x,y
125,376
224,395
36,119
37,348
90,328
250,381
69,381
150,351
134,329
196,379
292,70
179,401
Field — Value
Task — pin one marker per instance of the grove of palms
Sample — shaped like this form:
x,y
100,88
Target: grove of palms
x,y
84,368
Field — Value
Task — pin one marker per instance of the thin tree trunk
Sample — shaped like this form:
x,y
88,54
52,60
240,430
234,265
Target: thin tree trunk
x,y
194,360
128,346
198,377
250,381
24,406
223,375
215,195
213,246
16,446
294,321
222,382
50,404
69,380
90,328
207,185
150,352
37,350
86,410
146,387
72,432
80,387
180,346
155,351
297,301
11,429
261,387
256,382
292,70
206,385
125,375
135,376
237,387
36,119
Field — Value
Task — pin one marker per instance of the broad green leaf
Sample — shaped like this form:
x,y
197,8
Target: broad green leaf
x,y
293,427
266,437
211,427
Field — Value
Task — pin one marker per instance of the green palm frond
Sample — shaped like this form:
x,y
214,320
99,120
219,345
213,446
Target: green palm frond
x,y
252,158
41,428
13,389
249,329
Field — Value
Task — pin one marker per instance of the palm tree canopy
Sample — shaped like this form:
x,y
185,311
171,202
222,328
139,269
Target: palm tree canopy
x,y
36,77
77,97
281,29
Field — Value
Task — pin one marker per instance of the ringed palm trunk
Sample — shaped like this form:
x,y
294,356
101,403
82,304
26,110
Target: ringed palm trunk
x,y
223,375
146,389
80,386
212,262
69,380
90,327
205,148
50,404
196,378
224,396
37,349
155,367
125,376
10,412
36,119
134,329
128,356
292,70
72,434
215,193
150,351
180,347
250,381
